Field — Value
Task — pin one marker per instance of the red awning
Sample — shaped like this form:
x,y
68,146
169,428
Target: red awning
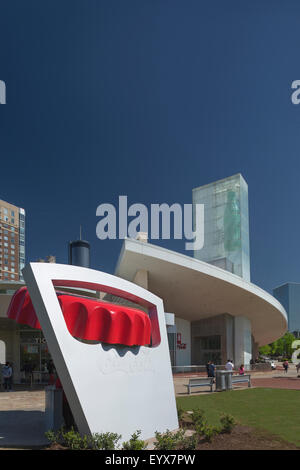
x,y
89,319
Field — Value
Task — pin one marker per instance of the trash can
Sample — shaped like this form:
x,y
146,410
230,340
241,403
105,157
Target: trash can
x,y
53,412
220,380
228,379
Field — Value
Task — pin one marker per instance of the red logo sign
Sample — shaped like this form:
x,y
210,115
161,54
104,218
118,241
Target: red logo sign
x,y
180,345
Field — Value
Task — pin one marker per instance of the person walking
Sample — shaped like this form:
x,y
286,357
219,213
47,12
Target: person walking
x,y
297,368
7,376
229,365
286,366
211,369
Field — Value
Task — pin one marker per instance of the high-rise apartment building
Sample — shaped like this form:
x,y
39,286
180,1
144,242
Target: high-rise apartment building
x,y
12,242
226,224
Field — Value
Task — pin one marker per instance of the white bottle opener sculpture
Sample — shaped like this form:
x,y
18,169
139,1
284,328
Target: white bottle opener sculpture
x,y
109,387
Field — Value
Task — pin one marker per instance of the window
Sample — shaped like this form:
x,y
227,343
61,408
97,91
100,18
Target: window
x,y
5,238
5,210
12,252
12,221
12,276
12,246
12,213
211,342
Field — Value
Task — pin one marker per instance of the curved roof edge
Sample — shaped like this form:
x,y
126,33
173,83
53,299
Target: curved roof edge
x,y
217,288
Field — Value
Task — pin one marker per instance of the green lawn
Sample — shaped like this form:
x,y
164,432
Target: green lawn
x,y
274,410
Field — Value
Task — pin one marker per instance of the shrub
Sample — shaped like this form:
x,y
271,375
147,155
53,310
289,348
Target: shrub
x,y
74,441
189,442
198,417
52,437
134,442
227,423
105,441
207,431
168,440
202,427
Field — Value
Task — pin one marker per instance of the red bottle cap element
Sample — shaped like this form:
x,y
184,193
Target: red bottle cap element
x,y
89,319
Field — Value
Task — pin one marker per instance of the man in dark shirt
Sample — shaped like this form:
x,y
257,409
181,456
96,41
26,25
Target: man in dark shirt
x,y
211,369
207,368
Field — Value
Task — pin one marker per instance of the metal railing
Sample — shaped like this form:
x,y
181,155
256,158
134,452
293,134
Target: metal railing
x,y
201,369
194,369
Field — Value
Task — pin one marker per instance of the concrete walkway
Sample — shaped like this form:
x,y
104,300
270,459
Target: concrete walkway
x,y
22,419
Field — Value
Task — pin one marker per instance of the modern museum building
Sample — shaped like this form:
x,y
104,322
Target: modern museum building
x,y
212,310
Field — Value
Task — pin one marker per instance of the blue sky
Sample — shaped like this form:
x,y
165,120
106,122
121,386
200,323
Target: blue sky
x,y
149,99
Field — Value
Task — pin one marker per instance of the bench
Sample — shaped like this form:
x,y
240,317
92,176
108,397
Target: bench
x,y
241,378
200,382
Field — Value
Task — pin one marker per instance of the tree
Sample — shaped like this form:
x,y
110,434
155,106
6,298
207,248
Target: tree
x,y
265,350
280,347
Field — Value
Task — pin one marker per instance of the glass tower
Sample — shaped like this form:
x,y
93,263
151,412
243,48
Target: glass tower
x,y
226,224
289,296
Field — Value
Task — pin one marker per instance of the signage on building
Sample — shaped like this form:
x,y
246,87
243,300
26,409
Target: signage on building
x,y
180,345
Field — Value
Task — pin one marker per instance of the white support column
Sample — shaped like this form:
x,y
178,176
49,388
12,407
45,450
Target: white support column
x,y
141,278
229,339
242,341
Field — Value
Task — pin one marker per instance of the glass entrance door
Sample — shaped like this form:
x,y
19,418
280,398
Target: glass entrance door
x,y
34,356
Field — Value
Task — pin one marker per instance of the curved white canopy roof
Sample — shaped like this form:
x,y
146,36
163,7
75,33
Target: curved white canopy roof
x,y
193,289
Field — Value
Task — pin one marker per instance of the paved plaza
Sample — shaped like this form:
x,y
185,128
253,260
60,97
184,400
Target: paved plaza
x,y
22,419
271,379
22,412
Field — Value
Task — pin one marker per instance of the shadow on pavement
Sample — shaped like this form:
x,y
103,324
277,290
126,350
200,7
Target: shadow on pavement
x,y
22,428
